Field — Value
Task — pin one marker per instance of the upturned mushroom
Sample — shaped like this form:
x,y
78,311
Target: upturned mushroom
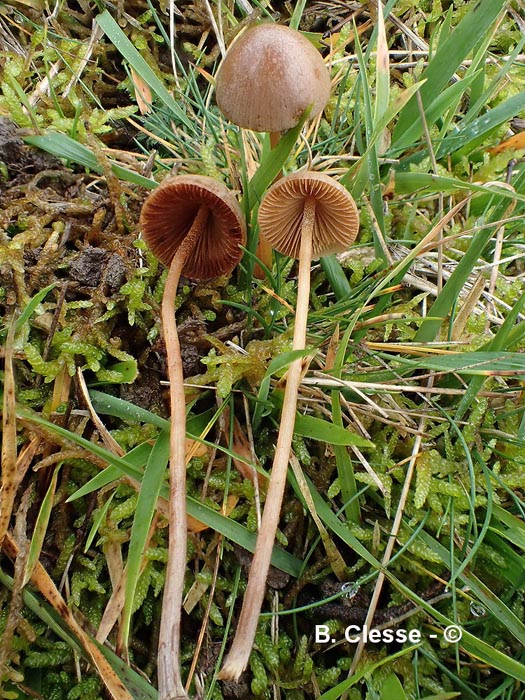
x,y
304,215
270,75
193,225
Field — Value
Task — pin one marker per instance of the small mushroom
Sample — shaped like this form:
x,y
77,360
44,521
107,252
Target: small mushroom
x,y
193,225
269,77
303,215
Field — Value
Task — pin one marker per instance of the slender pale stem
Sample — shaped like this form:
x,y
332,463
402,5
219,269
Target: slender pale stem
x,y
168,659
237,659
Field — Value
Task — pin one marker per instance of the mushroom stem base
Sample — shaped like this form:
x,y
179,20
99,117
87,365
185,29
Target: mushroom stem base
x,y
168,658
239,655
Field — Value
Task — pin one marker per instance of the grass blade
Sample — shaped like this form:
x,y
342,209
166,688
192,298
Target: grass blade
x,y
369,172
65,147
476,131
471,644
322,430
40,529
500,341
340,689
32,306
446,299
456,47
152,480
121,42
225,526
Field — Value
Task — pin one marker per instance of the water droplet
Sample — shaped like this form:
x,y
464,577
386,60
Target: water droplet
x,y
349,589
477,609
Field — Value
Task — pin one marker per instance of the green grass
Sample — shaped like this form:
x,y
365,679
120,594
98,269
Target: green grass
x,y
410,439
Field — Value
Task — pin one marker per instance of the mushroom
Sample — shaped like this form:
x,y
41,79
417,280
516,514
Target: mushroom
x,y
193,225
303,215
269,77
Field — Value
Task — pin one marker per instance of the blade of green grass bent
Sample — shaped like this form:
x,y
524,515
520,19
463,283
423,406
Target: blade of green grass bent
x,y
479,363
225,526
336,277
476,105
468,136
136,683
121,42
138,457
443,103
507,525
513,571
423,183
65,147
32,306
441,68
353,179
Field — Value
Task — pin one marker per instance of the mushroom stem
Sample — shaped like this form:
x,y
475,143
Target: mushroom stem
x,y
239,654
168,659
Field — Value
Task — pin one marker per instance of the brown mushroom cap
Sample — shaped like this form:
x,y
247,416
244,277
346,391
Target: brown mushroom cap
x,y
169,212
281,214
269,76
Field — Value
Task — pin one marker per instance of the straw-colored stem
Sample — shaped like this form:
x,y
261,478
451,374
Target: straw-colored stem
x,y
168,659
239,655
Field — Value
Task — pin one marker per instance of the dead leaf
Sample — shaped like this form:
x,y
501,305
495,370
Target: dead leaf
x,y
331,352
142,93
514,143
9,452
243,462
195,525
41,579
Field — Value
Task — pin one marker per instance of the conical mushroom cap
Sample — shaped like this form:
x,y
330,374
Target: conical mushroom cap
x,y
269,76
281,214
169,212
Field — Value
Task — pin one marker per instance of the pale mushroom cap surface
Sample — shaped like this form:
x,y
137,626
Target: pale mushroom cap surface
x,y
168,214
336,220
269,76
